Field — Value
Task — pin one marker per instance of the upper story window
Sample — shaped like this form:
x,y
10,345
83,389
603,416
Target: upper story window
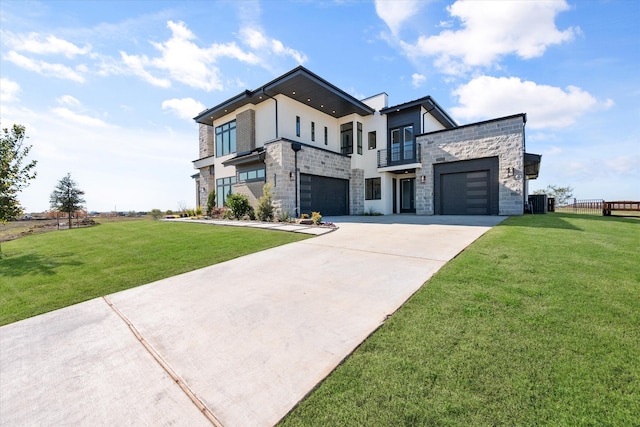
x,y
226,139
297,125
326,136
313,131
346,138
372,140
402,146
359,137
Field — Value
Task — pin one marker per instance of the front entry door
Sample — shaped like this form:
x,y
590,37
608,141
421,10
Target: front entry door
x,y
408,195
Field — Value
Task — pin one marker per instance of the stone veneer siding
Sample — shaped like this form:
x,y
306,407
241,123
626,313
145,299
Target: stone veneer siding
x,y
503,138
246,131
280,161
205,136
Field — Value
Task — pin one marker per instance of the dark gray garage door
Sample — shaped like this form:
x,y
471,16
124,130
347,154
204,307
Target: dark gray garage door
x,y
329,196
466,188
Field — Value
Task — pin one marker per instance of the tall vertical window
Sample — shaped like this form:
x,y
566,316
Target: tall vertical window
x,y
226,139
359,137
372,189
346,138
313,131
297,125
326,136
372,140
402,145
223,189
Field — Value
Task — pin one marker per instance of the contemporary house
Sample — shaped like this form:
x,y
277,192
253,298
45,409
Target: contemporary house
x,y
323,150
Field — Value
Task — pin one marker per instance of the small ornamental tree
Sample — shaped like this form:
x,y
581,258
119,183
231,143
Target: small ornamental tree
x,y
211,203
67,197
264,210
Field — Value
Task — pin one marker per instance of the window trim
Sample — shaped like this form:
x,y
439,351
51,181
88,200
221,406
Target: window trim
x,y
230,147
373,188
346,146
359,137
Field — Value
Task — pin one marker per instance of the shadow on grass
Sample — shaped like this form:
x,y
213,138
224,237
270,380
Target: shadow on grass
x,y
559,220
22,265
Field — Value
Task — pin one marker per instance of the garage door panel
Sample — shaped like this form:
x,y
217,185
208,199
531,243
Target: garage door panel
x,y
329,196
466,187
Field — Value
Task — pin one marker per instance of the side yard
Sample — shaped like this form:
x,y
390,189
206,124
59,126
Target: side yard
x,y
537,323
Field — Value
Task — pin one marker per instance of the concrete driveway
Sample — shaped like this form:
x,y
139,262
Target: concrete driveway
x,y
234,344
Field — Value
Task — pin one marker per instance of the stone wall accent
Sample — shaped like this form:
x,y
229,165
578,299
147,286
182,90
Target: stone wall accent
x,y
208,182
356,192
205,136
280,162
503,138
253,191
246,131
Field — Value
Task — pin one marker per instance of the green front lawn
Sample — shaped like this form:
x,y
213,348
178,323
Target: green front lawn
x,y
48,271
537,323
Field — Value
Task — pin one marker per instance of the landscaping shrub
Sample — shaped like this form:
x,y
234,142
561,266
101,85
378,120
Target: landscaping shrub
x,y
264,210
316,218
239,205
211,203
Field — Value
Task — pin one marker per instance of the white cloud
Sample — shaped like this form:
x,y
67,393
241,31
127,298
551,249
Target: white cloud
x,y
417,80
185,61
395,13
185,108
136,65
66,114
68,100
490,30
546,106
8,90
50,45
48,69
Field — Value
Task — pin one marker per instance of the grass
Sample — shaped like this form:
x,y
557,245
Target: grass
x,y
537,323
48,271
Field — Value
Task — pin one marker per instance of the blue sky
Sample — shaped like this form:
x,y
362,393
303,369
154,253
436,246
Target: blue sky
x,y
107,89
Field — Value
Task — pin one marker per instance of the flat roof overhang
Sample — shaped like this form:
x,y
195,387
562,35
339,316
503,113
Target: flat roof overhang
x,y
299,84
204,162
255,156
428,104
532,165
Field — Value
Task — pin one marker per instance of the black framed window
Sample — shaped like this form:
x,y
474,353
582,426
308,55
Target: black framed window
x,y
372,189
346,138
255,174
297,125
372,140
226,139
326,136
313,131
359,134
223,189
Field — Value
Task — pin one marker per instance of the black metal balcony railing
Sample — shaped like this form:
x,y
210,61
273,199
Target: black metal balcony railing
x,y
396,156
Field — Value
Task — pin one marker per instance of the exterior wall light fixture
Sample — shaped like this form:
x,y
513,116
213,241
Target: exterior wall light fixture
x,y
290,176
423,179
510,172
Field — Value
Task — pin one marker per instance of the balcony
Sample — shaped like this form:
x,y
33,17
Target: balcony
x,y
400,157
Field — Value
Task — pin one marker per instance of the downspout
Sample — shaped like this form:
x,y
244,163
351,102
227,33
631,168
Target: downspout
x,y
296,146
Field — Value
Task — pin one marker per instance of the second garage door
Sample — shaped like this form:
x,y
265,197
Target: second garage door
x,y
467,187
329,196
